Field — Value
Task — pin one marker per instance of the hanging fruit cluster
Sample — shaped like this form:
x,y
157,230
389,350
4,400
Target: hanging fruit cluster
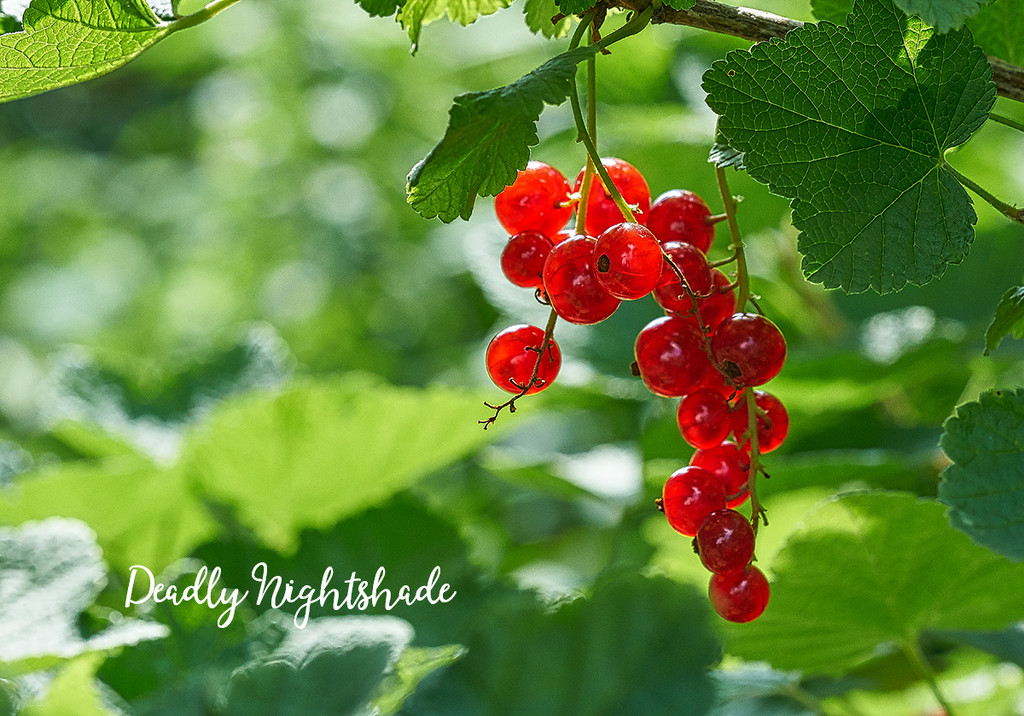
x,y
706,350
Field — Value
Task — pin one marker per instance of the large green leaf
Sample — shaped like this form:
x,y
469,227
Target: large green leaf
x,y
984,486
414,14
943,15
317,452
999,30
852,124
870,572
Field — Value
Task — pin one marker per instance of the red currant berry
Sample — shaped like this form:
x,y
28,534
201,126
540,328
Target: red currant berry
x,y
725,541
730,465
703,418
522,260
571,285
536,201
718,305
670,293
628,260
670,357
512,356
739,596
689,496
772,427
602,211
749,347
681,215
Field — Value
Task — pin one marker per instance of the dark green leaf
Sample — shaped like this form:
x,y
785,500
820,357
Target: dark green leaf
x,y
852,124
870,572
832,10
1009,319
984,486
380,8
488,140
999,30
943,15
680,4
1007,644
575,7
725,156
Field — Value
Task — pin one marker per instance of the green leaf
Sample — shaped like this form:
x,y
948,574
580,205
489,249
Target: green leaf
x,y
414,14
332,666
317,452
943,15
725,156
381,8
575,7
680,4
50,572
999,30
852,124
412,667
635,646
984,486
539,14
869,572
72,690
69,41
832,10
488,140
1009,319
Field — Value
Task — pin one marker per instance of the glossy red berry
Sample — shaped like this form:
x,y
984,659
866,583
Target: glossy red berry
x,y
681,215
512,356
602,211
772,427
730,465
522,260
749,347
689,496
719,304
536,201
572,286
670,293
628,261
725,541
703,418
739,596
670,357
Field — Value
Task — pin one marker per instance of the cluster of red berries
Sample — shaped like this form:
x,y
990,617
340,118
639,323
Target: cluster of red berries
x,y
702,350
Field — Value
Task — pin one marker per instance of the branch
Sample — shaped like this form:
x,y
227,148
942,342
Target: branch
x,y
758,26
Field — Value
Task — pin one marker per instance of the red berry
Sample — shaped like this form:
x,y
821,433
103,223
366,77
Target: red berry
x,y
571,285
739,596
772,427
602,211
689,496
730,465
670,293
703,418
522,260
535,201
719,304
725,541
670,357
749,347
628,260
680,215
512,356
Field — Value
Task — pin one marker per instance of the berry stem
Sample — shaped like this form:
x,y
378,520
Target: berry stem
x,y
591,130
1007,121
757,512
201,16
549,331
742,277
1010,212
917,659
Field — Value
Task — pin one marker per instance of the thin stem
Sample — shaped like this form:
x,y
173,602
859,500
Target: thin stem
x,y
757,511
742,278
1007,121
921,665
1002,207
201,16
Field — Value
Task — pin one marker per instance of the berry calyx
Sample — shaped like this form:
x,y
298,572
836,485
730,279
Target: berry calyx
x,y
681,215
628,261
703,418
772,427
749,348
512,355
602,212
730,465
689,496
670,357
522,260
571,285
739,596
725,542
538,200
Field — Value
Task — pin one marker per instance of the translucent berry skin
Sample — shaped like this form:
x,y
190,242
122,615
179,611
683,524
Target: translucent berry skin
x,y
680,215
628,261
670,357
572,286
739,596
772,427
730,465
703,418
522,260
725,542
509,358
601,209
689,496
749,347
533,202
670,293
